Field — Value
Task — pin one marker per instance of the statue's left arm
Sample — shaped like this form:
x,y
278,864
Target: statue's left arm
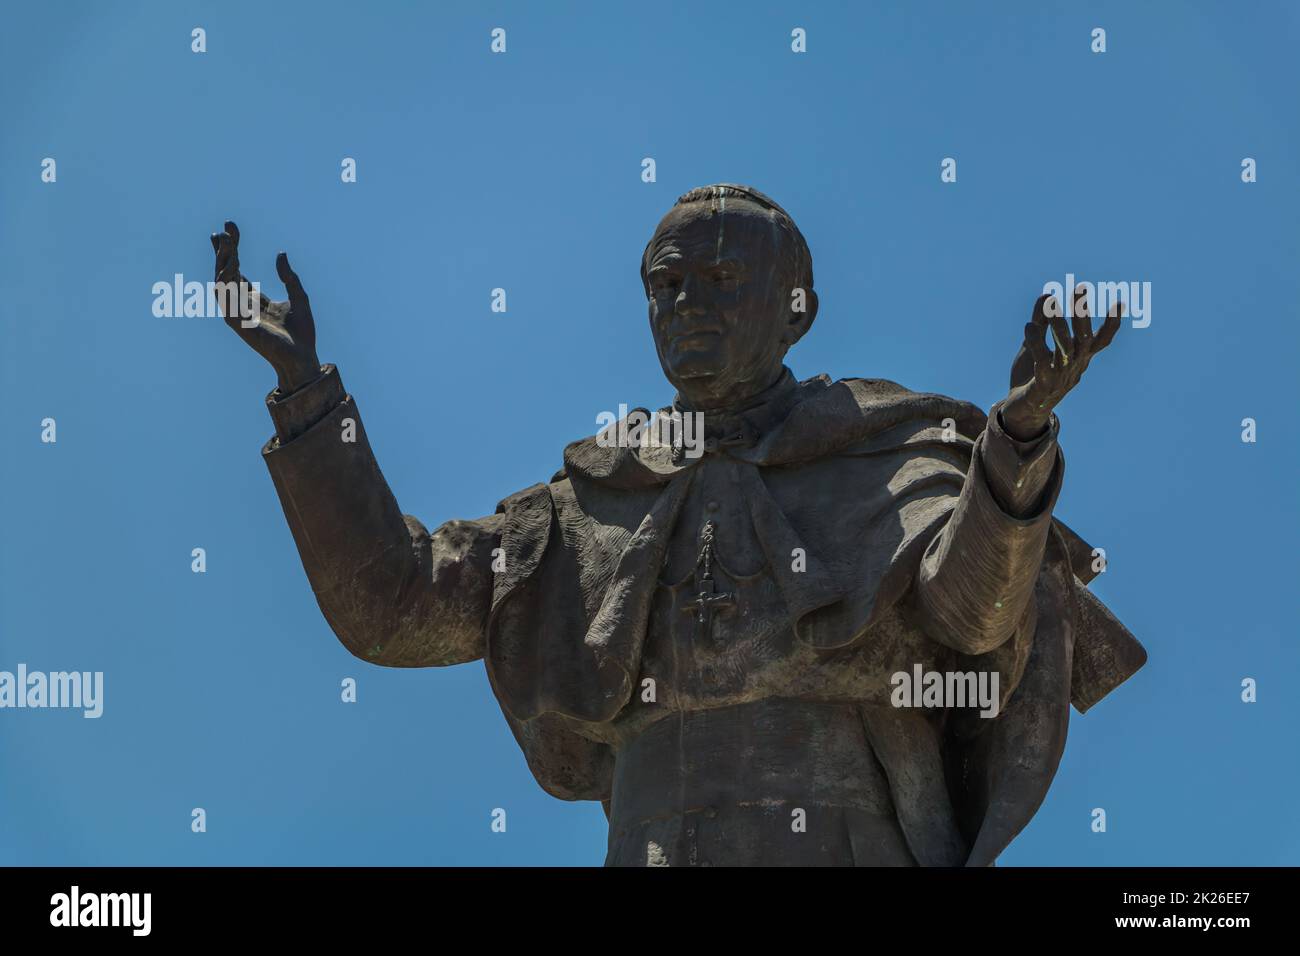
x,y
976,579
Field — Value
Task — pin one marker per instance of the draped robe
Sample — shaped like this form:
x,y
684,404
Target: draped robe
x,y
830,515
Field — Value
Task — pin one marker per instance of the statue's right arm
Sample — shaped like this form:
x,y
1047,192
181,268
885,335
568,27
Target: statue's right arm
x,y
393,593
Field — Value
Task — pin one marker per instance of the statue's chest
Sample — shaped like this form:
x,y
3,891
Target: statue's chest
x,y
719,628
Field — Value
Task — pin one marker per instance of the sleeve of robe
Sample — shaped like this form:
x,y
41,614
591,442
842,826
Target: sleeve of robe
x,y
976,580
393,593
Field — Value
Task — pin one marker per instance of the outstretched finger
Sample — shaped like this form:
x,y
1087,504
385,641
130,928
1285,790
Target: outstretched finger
x,y
1109,327
1036,343
1082,320
227,269
1061,335
297,294
1044,306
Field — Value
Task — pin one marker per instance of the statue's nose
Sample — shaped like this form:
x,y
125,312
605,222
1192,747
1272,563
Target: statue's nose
x,y
690,300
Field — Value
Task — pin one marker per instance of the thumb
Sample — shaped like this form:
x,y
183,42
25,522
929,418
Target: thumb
x,y
297,295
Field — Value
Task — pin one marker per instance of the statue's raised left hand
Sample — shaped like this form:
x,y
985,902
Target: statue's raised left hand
x,y
283,333
1028,408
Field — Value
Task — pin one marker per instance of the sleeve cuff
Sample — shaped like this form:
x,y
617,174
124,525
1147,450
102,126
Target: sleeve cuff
x,y
1019,472
295,413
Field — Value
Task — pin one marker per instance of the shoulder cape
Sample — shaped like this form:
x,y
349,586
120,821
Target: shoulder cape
x,y
583,552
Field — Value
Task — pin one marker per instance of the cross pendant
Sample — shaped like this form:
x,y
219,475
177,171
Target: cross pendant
x,y
708,600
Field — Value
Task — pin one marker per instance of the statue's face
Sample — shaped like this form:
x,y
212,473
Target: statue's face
x,y
719,289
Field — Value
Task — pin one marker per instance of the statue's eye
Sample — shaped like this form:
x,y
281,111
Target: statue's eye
x,y
724,279
664,283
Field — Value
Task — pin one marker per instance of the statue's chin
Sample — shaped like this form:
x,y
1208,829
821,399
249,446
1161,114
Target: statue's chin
x,y
694,378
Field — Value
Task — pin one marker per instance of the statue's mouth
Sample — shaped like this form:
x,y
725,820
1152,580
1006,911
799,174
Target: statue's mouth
x,y
694,337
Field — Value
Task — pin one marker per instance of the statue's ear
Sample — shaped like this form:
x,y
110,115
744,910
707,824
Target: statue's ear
x,y
801,321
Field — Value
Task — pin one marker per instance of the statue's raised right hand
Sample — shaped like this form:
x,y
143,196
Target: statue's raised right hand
x,y
283,333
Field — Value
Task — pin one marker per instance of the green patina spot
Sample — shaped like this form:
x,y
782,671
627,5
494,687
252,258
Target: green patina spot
x,y
997,603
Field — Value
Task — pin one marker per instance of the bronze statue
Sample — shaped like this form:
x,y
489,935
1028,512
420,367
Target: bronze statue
x,y
713,645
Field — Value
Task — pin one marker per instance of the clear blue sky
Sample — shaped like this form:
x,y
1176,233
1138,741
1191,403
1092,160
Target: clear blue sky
x,y
522,171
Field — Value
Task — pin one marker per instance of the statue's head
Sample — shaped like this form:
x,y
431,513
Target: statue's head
x,y
728,278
